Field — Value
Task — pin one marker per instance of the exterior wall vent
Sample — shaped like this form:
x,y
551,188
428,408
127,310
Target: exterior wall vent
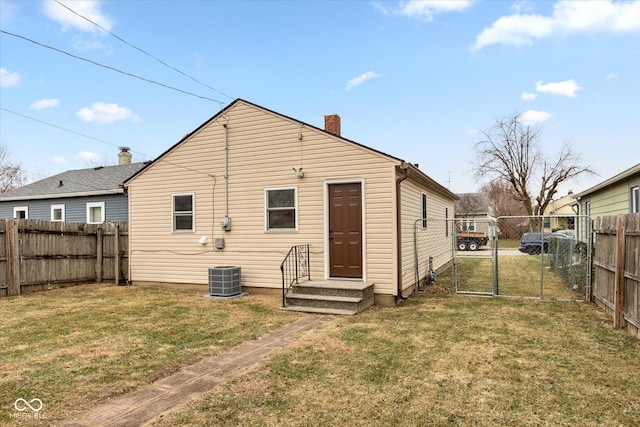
x,y
224,281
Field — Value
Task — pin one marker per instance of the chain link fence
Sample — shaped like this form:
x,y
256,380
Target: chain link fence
x,y
520,256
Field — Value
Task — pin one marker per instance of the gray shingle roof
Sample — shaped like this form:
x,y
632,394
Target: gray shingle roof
x,y
98,180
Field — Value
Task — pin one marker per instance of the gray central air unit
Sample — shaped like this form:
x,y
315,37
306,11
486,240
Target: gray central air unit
x,y
224,281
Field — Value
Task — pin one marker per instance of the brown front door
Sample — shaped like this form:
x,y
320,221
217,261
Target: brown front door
x,y
345,230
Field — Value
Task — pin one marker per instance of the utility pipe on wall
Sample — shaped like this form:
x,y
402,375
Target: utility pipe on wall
x,y
405,167
226,170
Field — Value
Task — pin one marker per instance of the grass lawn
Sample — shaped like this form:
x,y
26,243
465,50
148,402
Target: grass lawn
x,y
77,347
438,359
518,275
441,360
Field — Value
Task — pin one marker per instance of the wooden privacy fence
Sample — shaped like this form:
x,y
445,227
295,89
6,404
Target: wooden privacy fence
x,y
37,255
616,285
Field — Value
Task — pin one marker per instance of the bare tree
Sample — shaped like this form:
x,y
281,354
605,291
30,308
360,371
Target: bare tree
x,y
471,204
11,174
511,151
504,203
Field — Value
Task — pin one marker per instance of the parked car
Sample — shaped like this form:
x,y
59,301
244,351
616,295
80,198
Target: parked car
x,y
568,233
534,243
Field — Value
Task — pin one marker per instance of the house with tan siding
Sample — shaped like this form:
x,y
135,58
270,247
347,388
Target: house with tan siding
x,y
249,184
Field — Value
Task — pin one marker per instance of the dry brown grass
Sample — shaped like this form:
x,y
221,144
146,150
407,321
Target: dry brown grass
x,y
441,360
78,347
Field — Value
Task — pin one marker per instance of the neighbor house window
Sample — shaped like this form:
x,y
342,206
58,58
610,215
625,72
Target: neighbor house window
x,y
468,225
424,210
95,212
280,209
21,212
587,208
57,213
183,212
634,199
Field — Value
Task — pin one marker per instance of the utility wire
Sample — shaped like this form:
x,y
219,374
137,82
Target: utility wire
x,y
142,50
220,103
102,141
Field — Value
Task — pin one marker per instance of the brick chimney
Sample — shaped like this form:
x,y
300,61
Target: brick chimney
x,y
124,156
332,124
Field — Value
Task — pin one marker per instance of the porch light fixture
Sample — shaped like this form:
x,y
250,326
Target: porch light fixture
x,y
298,172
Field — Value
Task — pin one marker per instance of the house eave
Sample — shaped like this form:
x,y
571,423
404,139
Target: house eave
x,y
62,195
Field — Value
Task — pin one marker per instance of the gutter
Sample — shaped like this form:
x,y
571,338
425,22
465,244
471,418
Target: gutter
x,y
63,195
404,166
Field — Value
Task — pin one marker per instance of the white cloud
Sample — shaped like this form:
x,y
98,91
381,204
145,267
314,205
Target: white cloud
x,y
8,11
58,160
611,76
565,88
69,20
531,117
100,112
356,81
423,9
473,132
87,157
86,45
528,96
568,17
8,79
44,103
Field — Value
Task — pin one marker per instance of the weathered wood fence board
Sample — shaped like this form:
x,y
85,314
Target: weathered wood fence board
x,y
36,255
616,285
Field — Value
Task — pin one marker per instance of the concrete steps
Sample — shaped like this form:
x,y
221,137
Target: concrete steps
x,y
345,297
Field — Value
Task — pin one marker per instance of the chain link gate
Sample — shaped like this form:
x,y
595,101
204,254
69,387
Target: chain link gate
x,y
475,267
522,256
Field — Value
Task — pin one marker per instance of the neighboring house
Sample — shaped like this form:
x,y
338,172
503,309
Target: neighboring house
x,y
250,183
561,213
619,194
92,195
472,212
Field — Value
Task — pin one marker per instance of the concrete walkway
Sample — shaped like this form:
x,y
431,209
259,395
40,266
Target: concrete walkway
x,y
145,404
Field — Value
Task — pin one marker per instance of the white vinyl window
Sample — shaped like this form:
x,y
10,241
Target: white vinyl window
x,y
95,213
281,205
21,212
57,213
634,199
467,225
424,210
183,211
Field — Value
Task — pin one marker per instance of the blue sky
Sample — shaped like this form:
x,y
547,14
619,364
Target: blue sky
x,y
416,80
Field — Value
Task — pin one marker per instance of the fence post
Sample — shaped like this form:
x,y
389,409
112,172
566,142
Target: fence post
x,y
117,253
618,300
13,256
99,254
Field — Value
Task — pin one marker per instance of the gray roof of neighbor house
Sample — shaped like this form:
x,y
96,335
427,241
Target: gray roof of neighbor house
x,y
633,170
75,183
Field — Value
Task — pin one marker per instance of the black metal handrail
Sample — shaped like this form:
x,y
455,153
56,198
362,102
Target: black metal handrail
x,y
295,266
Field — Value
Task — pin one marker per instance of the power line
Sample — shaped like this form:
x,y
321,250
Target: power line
x,y
102,141
142,50
220,103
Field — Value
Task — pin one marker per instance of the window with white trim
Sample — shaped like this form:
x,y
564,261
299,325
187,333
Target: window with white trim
x,y
21,212
281,205
424,210
634,199
467,225
95,213
183,211
57,213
